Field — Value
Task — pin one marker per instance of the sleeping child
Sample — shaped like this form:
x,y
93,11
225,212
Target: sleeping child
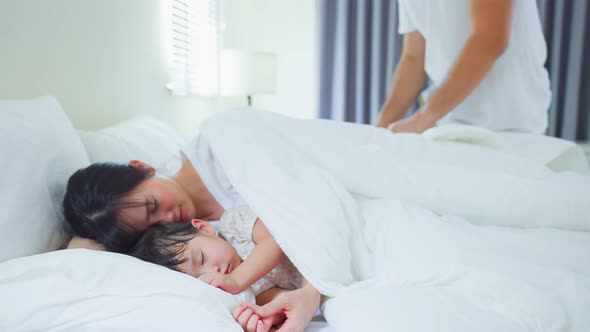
x,y
241,254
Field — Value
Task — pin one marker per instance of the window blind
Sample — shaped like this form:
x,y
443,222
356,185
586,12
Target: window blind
x,y
193,48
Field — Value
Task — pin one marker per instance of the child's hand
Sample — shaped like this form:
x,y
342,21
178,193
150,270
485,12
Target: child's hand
x,y
223,281
251,322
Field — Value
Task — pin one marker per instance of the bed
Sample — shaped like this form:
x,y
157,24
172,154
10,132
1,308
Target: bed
x,y
42,288
533,277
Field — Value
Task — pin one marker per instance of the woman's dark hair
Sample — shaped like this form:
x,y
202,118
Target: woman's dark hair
x,y
93,202
164,244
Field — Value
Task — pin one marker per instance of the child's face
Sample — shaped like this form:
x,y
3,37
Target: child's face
x,y
207,252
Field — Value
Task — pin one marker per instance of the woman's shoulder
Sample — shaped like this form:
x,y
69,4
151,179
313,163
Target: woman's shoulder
x,y
82,243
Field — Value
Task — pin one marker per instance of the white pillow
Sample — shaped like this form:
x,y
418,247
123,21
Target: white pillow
x,y
143,138
40,150
87,290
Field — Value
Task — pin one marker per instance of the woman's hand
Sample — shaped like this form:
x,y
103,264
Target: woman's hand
x,y
244,314
297,307
223,281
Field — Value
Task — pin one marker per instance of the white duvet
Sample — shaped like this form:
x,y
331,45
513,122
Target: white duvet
x,y
360,211
400,232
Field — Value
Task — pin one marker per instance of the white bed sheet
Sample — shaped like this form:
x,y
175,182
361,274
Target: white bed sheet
x,y
319,326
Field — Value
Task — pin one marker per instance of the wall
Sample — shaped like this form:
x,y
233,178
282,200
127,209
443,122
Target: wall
x,y
104,59
287,28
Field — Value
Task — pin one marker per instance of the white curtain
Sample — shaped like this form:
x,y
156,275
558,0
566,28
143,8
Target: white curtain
x,y
193,46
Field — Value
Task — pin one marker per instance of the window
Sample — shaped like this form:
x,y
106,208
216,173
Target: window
x,y
193,45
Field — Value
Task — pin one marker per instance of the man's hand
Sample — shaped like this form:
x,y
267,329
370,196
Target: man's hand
x,y
223,281
408,80
417,123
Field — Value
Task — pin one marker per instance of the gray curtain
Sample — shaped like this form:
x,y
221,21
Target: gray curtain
x,y
566,25
358,53
360,47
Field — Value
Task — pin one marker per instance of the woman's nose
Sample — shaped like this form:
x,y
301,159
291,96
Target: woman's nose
x,y
167,216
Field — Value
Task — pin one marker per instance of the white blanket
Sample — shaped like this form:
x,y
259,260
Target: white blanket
x,y
355,207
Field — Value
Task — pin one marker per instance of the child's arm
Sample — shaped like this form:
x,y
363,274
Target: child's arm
x,y
264,257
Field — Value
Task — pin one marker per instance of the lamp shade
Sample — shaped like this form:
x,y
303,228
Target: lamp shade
x,y
245,73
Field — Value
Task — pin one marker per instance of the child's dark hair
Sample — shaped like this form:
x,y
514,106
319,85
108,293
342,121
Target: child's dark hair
x,y
92,204
164,244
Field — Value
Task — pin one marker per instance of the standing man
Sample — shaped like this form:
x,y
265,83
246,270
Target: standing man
x,y
485,59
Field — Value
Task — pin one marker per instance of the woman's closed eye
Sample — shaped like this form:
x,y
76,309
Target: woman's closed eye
x,y
155,205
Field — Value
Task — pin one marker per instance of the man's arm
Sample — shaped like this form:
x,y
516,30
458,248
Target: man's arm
x,y
408,80
491,21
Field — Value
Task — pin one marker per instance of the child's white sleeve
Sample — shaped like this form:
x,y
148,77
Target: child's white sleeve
x,y
240,220
262,285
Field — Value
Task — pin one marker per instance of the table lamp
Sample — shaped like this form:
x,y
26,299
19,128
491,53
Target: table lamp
x,y
244,73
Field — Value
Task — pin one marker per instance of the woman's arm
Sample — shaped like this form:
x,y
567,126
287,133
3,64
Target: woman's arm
x,y
269,295
264,257
298,308
250,321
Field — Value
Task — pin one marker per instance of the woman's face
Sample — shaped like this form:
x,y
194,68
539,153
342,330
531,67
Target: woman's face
x,y
165,201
